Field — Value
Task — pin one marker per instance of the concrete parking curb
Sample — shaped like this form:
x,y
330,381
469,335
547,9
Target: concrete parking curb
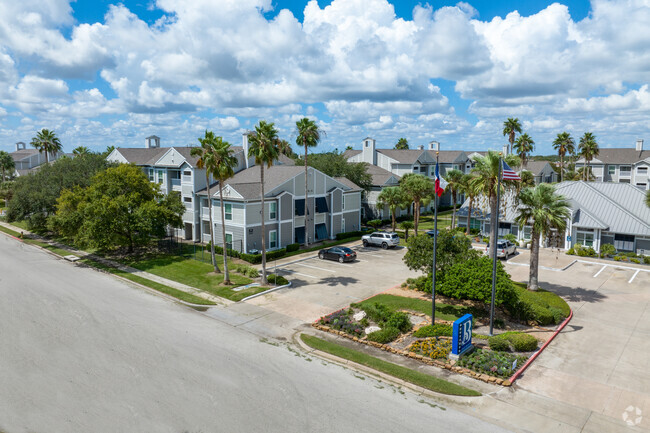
x,y
386,377
265,292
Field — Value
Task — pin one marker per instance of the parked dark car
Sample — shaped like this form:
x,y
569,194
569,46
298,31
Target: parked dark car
x,y
342,254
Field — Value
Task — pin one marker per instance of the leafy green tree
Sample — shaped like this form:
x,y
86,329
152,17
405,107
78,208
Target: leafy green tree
x,y
47,141
543,209
588,149
524,146
225,164
467,186
120,208
6,164
34,195
450,248
81,150
335,164
309,135
264,148
402,144
527,180
647,198
564,145
419,190
207,160
453,178
393,198
108,150
406,226
487,169
510,128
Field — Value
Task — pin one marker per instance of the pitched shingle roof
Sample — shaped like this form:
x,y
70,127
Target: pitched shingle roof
x,y
403,156
449,156
379,175
247,182
349,153
536,167
345,181
140,156
618,156
23,153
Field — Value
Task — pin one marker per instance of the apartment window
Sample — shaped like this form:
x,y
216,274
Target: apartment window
x,y
611,169
187,173
342,202
204,202
273,239
160,176
342,225
175,174
584,237
187,199
229,241
206,227
423,169
273,210
642,171
527,232
625,170
624,180
642,186
416,169
228,211
150,174
624,242
321,205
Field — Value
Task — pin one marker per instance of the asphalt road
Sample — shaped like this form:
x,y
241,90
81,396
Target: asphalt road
x,y
81,351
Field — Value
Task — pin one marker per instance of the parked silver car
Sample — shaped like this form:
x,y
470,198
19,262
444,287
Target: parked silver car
x,y
381,239
505,249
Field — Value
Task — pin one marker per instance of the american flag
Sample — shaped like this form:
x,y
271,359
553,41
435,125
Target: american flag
x,y
508,173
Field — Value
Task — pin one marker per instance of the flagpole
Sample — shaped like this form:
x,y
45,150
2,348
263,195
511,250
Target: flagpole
x,y
435,244
494,247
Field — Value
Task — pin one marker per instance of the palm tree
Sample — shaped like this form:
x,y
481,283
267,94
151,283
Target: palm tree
x,y
543,209
486,170
418,189
524,146
47,141
406,226
309,135
207,161
224,169
527,180
588,149
81,150
264,147
510,128
6,164
453,178
402,144
467,187
564,145
393,198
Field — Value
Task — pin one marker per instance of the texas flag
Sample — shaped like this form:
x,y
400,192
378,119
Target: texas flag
x,y
441,184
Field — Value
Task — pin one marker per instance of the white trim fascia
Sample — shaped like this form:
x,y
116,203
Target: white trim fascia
x,y
165,154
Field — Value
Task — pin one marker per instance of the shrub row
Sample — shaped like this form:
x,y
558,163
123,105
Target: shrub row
x,y
582,251
278,280
346,235
437,330
257,258
513,341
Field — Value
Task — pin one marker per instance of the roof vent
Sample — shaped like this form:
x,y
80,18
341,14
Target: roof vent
x,y
152,142
20,146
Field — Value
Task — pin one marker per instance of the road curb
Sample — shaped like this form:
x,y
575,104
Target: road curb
x,y
385,377
265,292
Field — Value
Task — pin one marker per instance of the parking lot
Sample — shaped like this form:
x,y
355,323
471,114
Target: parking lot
x,y
322,286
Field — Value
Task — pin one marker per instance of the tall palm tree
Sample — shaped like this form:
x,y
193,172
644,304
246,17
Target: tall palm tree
x,y
264,148
453,178
309,135
486,170
564,145
510,128
543,209
7,164
527,180
47,141
467,186
81,150
419,190
406,226
393,198
523,147
588,149
207,161
224,169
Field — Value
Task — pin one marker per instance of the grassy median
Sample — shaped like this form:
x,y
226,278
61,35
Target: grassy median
x,y
415,377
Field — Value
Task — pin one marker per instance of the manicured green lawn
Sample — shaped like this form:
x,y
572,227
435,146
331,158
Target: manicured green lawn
x,y
426,222
424,380
443,311
195,273
20,224
178,294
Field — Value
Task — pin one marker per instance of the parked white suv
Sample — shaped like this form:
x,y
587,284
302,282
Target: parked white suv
x,y
381,239
505,248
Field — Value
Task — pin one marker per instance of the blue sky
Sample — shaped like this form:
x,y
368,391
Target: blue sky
x,y
102,73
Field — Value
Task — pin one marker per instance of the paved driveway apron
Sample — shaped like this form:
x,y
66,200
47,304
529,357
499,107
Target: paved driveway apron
x,y
322,286
600,363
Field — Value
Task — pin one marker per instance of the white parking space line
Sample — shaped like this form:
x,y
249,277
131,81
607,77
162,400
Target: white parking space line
x,y
296,273
315,267
601,270
634,276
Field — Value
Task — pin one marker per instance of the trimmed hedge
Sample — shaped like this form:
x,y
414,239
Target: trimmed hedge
x,y
384,336
278,280
541,306
292,247
437,330
346,235
509,341
257,258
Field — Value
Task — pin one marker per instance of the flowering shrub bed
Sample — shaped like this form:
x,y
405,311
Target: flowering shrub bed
x,y
492,363
342,321
436,348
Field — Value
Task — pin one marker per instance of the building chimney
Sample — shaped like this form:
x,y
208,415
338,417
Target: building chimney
x,y
21,146
639,145
244,137
368,152
434,145
421,147
505,149
152,142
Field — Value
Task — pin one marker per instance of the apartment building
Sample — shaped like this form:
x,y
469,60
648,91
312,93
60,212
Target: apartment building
x,y
622,165
28,160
